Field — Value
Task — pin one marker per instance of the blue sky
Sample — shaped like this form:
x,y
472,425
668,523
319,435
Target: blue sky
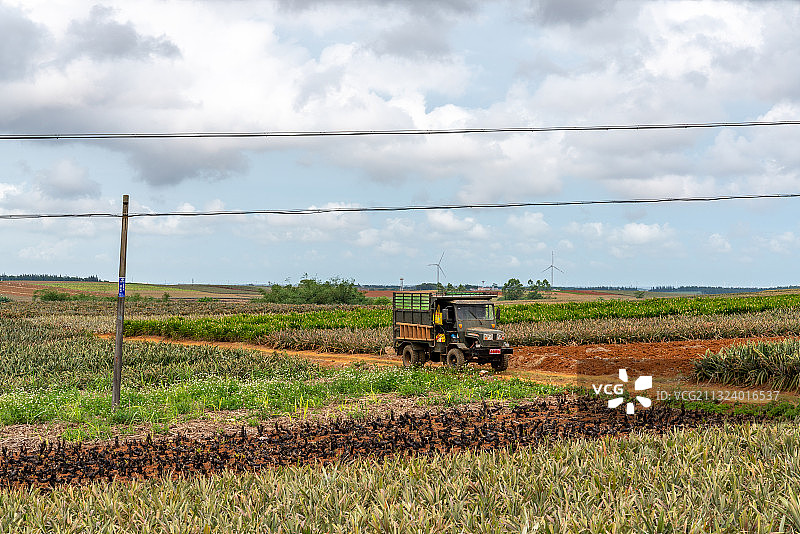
x,y
166,66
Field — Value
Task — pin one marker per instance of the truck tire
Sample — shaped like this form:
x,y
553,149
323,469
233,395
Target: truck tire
x,y
501,364
409,356
455,358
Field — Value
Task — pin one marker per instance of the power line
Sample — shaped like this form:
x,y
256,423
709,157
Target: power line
x,y
355,209
358,133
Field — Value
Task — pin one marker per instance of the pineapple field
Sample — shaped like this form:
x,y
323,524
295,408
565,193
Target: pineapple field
x,y
218,407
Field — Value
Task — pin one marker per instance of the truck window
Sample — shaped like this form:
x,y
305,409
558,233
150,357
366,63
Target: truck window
x,y
481,312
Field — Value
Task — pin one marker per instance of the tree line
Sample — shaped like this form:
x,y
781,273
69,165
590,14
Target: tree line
x,y
47,278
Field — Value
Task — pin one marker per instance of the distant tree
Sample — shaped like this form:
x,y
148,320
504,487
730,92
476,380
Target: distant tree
x,y
513,289
426,286
535,288
48,278
312,291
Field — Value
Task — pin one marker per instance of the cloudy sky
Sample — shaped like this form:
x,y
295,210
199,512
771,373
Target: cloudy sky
x,y
186,66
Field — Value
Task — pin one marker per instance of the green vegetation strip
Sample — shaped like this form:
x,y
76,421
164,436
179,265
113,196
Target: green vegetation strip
x,y
112,287
735,479
516,313
775,364
47,375
247,327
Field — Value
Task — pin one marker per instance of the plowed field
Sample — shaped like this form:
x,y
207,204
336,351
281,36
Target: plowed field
x,y
662,359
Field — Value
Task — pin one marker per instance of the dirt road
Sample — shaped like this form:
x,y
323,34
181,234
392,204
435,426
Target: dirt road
x,y
663,359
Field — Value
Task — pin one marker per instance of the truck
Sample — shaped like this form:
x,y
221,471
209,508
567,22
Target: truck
x,y
453,329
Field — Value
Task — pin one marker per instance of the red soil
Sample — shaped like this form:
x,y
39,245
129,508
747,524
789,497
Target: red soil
x,y
665,359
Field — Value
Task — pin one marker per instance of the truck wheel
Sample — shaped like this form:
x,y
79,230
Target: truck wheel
x,y
500,364
455,358
409,356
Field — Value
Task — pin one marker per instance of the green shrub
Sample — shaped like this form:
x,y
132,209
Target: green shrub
x,y
51,295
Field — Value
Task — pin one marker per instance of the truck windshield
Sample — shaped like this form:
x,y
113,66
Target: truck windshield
x,y
472,312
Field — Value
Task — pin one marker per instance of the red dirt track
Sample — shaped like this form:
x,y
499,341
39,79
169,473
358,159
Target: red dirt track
x,y
666,359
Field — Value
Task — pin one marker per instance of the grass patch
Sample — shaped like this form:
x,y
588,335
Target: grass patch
x,y
775,409
263,397
53,375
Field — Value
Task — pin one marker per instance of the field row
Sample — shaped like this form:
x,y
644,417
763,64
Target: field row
x,y
775,364
52,375
484,427
724,479
246,327
633,309
250,327
781,322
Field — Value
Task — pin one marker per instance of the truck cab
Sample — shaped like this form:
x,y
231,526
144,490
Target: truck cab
x,y
452,329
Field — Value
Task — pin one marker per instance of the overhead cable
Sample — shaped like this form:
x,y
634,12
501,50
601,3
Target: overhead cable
x,y
357,133
366,209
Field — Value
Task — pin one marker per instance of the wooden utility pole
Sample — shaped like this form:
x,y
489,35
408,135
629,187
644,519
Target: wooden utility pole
x,y
123,251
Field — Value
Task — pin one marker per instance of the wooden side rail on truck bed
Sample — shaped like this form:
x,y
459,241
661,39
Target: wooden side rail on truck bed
x,y
415,331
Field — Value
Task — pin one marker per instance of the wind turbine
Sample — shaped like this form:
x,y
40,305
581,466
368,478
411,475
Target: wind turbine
x,y
438,268
552,266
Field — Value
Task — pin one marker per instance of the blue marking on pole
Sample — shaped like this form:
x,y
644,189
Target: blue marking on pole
x,y
122,287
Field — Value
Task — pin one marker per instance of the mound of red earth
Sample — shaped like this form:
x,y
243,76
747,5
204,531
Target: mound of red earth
x,y
658,358
481,427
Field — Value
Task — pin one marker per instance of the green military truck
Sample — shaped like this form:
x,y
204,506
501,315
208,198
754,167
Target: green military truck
x,y
452,329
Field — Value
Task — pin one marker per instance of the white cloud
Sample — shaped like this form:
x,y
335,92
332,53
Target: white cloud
x,y
529,224
638,234
663,186
447,223
590,230
67,179
623,241
718,243
47,251
7,190
783,243
310,227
